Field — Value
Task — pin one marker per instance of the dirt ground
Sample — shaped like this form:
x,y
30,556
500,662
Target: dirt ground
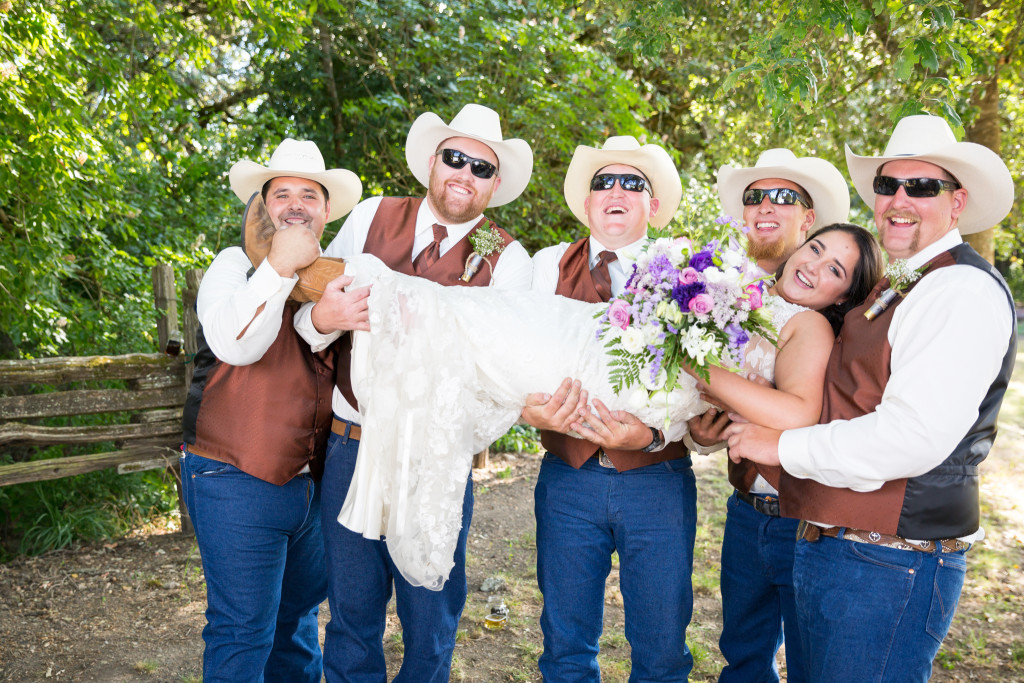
x,y
132,610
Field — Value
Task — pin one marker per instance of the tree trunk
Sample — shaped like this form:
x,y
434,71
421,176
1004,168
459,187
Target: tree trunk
x,y
986,131
327,64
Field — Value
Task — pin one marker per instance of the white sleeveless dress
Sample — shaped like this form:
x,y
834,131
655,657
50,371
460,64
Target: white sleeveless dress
x,y
444,372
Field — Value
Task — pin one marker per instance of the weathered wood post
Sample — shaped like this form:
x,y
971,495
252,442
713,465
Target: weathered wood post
x,y
166,303
170,341
190,326
189,319
481,459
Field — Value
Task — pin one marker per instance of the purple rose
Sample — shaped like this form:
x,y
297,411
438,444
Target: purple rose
x,y
684,293
702,260
687,276
618,314
702,304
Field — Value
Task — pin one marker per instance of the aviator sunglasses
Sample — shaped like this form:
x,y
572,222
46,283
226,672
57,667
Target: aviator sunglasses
x,y
776,195
914,187
481,168
627,181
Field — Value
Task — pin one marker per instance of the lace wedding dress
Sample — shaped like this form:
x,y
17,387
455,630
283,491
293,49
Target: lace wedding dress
x,y
443,373
759,355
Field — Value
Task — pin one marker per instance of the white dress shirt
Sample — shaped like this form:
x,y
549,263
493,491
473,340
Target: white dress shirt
x,y
514,269
545,264
545,279
948,340
227,306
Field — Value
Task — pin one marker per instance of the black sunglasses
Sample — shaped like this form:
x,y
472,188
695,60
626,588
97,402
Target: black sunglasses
x,y
776,195
914,187
481,168
627,181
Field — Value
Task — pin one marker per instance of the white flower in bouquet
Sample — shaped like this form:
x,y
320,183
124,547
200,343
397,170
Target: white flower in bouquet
x,y
653,378
733,260
653,334
698,343
632,340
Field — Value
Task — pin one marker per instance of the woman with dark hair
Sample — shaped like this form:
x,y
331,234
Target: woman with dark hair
x,y
866,273
832,272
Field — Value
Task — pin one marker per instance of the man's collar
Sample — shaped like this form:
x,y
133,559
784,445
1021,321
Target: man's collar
x,y
944,243
425,218
627,253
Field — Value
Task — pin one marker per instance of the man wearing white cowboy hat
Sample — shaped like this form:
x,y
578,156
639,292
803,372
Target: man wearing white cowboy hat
x,y
781,199
466,167
889,480
255,431
624,487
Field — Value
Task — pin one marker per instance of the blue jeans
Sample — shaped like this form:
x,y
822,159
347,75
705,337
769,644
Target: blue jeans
x,y
263,558
870,613
649,516
757,596
360,576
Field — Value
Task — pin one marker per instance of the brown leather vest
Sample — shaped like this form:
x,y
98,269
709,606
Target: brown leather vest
x,y
390,238
942,503
742,475
270,418
575,282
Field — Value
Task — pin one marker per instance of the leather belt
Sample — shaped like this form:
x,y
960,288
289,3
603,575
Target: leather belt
x,y
812,532
202,453
765,504
346,428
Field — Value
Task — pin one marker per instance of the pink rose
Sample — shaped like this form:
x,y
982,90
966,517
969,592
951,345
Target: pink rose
x,y
754,295
618,314
702,304
688,275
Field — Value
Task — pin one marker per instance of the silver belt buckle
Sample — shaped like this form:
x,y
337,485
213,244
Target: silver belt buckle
x,y
603,458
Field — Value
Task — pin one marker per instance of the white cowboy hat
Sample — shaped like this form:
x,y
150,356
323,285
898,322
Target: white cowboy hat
x,y
978,169
830,196
651,160
298,159
515,158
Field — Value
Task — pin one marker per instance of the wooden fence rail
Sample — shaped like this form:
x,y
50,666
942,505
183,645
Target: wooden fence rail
x,y
143,393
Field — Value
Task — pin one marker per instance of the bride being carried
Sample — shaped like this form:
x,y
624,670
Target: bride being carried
x,y
442,372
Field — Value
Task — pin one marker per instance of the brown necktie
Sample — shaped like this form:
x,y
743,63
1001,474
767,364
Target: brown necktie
x,y
432,252
599,273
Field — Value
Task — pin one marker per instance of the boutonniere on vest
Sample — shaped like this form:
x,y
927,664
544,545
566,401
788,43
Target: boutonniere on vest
x,y
900,277
485,243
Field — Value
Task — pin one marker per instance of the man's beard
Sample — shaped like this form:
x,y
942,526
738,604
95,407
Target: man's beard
x,y
452,212
915,237
766,251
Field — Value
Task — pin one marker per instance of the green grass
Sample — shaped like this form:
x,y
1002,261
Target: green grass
x,y
518,439
147,666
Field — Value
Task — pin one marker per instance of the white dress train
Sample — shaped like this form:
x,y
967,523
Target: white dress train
x,y
443,373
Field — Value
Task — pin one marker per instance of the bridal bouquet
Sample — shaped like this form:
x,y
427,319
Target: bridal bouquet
x,y
683,303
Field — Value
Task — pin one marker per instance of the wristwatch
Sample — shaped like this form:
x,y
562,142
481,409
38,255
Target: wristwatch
x,y
657,441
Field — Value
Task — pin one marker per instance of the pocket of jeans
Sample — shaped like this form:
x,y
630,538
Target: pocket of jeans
x,y
903,561
949,582
205,467
679,465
